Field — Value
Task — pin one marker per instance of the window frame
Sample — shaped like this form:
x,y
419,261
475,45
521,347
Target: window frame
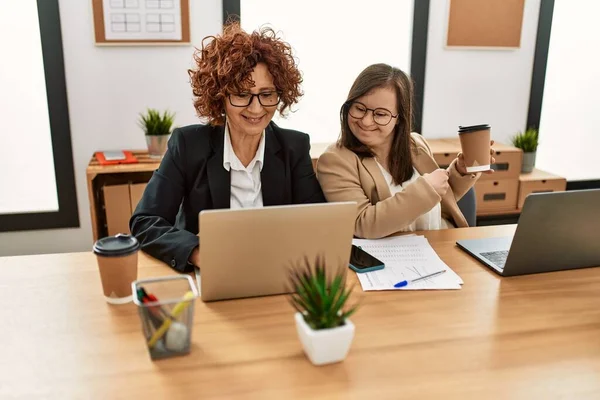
x,y
67,215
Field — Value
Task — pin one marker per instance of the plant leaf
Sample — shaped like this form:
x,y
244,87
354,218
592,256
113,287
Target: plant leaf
x,y
527,141
318,299
153,123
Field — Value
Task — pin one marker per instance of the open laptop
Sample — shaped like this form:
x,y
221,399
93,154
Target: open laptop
x,y
249,252
556,231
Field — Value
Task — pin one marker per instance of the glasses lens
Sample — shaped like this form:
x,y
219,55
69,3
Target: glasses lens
x,y
268,98
240,99
357,110
381,116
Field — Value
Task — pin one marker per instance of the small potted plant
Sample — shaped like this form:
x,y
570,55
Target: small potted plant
x,y
157,129
322,316
527,141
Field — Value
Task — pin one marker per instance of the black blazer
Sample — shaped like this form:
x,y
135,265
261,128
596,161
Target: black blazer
x,y
191,178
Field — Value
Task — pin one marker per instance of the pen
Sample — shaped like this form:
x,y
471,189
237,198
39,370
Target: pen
x,y
405,283
149,312
160,309
156,310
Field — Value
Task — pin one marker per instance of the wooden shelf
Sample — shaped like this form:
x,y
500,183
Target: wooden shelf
x,y
538,175
145,164
98,176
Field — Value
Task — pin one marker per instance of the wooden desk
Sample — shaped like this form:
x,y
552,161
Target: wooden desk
x,y
530,337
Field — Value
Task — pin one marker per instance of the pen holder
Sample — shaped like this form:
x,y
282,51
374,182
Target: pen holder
x,y
166,308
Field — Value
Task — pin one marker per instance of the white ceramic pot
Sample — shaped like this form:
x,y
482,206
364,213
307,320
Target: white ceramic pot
x,y
325,346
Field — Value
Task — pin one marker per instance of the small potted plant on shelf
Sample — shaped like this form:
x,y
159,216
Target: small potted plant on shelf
x,y
157,129
322,315
527,141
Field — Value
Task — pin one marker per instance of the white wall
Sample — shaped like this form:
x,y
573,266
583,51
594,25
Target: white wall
x,y
467,87
570,121
107,87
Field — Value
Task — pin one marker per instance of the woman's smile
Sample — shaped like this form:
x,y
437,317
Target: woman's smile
x,y
253,120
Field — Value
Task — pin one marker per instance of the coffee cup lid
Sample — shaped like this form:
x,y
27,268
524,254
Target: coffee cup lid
x,y
472,128
116,246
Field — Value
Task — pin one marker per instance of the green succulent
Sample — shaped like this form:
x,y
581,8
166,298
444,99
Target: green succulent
x,y
528,141
319,300
155,124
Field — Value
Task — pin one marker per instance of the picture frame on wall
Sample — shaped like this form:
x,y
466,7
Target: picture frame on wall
x,y
141,22
489,24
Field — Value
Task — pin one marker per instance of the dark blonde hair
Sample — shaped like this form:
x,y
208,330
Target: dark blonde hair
x,y
380,76
224,64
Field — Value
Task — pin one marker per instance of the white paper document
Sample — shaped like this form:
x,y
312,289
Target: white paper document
x,y
405,258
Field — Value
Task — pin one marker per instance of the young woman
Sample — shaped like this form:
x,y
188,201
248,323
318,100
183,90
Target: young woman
x,y
388,170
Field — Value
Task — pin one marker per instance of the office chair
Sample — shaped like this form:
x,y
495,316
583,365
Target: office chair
x,y
468,206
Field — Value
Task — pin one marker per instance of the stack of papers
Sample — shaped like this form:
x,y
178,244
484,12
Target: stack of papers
x,y
405,258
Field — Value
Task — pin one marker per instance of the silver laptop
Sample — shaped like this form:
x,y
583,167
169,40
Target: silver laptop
x,y
249,252
556,231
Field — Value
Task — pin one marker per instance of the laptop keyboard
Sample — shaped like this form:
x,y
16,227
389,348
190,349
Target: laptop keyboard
x,y
497,257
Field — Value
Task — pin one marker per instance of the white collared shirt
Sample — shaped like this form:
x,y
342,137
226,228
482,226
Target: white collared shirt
x,y
246,190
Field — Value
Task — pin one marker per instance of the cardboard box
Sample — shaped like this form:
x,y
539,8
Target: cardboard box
x,y
509,161
117,206
508,164
136,190
496,195
537,182
119,203
444,150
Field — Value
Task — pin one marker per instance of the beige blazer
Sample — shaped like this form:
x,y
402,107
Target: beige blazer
x,y
344,176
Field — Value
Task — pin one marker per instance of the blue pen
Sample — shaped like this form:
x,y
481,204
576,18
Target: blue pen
x,y
405,283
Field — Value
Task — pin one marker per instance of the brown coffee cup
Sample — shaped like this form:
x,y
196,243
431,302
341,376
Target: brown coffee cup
x,y
117,258
475,145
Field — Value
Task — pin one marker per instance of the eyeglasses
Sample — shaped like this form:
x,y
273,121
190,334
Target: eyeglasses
x,y
266,99
381,116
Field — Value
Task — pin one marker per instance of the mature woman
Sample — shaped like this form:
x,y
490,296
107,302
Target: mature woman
x,y
240,159
386,169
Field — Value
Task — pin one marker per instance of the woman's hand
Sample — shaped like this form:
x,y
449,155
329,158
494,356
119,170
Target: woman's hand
x,y
195,257
438,179
462,168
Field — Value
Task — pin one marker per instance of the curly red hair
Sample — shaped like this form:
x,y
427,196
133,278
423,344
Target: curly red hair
x,y
224,65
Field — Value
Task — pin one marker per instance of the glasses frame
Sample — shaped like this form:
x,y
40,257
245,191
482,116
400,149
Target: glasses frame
x,y
367,109
257,95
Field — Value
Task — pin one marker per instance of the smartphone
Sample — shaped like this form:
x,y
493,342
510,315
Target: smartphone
x,y
361,261
113,155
